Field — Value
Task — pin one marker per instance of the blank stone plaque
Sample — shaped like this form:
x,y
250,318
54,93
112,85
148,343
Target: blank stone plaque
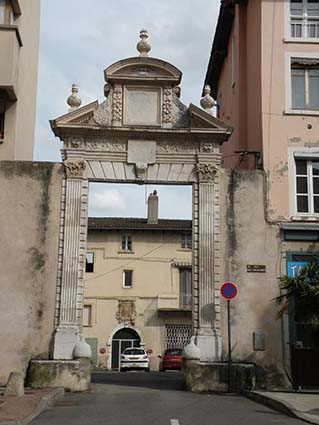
x,y
259,341
142,106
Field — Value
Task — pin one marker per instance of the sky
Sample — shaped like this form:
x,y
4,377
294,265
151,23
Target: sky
x,y
79,39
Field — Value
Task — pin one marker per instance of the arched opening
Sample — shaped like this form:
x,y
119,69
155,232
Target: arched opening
x,y
124,338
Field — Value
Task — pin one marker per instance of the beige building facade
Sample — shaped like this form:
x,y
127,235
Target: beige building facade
x,y
19,48
264,74
138,286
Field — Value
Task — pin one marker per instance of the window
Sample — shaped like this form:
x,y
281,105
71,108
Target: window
x,y
2,116
185,288
307,186
87,315
127,278
6,12
177,336
89,263
126,243
302,83
186,241
3,99
305,84
304,18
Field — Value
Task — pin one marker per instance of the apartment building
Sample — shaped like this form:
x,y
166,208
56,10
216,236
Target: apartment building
x,y
138,285
264,75
19,47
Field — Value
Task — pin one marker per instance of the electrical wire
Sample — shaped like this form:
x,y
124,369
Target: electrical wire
x,y
127,264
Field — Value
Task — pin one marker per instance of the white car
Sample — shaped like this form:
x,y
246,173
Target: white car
x,y
134,359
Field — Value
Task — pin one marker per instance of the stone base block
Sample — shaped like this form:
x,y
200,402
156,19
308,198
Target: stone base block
x,y
72,375
213,377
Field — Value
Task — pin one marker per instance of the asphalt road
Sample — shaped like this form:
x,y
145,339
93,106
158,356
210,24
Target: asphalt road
x,y
141,398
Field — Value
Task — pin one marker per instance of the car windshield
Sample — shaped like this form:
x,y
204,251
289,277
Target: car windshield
x,y
134,351
173,352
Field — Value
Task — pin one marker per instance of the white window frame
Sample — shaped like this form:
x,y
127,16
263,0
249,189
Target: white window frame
x,y
188,237
126,248
288,107
288,38
93,262
309,154
123,282
90,316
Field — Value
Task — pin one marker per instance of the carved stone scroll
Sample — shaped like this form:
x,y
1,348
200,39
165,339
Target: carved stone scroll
x,y
126,312
167,106
117,108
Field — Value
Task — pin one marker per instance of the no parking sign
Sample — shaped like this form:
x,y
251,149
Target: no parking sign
x,y
229,290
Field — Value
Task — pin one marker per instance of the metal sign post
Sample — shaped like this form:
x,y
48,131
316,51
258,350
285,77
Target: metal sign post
x,y
229,291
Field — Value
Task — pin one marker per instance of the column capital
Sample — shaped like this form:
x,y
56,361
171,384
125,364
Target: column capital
x,y
75,168
206,172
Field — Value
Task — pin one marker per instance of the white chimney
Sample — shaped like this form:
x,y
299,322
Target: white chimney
x,y
152,208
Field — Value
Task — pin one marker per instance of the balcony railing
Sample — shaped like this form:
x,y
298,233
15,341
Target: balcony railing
x,y
304,27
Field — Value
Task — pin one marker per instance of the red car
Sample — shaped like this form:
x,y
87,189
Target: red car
x,y
171,359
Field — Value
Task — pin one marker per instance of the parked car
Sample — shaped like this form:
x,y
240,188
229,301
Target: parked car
x,y
134,359
171,359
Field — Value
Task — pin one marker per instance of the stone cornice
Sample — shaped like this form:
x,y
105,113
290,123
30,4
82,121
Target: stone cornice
x,y
140,133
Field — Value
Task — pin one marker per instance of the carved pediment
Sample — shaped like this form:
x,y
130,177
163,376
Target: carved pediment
x,y
202,119
143,69
79,116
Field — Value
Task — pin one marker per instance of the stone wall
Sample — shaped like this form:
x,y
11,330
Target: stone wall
x,y
30,195
247,239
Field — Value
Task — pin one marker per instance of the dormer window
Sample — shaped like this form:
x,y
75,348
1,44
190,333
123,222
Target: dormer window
x,y
7,15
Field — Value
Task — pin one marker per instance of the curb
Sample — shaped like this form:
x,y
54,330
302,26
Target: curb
x,y
44,403
281,406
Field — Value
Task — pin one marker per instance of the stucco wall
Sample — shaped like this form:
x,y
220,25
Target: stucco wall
x,y
239,95
29,221
281,131
247,239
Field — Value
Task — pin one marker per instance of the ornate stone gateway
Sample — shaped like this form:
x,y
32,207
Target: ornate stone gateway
x,y
141,133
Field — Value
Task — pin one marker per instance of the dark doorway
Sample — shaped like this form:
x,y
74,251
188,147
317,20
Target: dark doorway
x,y
303,338
124,338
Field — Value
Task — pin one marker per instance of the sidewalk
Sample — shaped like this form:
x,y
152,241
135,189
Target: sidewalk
x,y
22,410
300,404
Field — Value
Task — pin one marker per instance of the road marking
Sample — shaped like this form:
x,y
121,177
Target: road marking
x,y
174,422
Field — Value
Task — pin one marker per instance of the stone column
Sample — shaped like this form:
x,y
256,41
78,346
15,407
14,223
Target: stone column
x,y
207,338
74,243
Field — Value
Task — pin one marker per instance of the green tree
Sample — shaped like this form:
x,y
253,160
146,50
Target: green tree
x,y
300,294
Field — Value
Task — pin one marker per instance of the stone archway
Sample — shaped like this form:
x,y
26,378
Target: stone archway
x,y
122,339
141,133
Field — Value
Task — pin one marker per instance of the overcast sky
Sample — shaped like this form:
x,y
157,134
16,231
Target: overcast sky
x,y
79,39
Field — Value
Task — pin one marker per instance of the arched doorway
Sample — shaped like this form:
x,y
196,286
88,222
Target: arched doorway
x,y
124,338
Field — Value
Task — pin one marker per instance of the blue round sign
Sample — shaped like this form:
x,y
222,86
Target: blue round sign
x,y
228,290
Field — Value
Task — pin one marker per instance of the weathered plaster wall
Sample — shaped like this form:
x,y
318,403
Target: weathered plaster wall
x,y
30,211
247,239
